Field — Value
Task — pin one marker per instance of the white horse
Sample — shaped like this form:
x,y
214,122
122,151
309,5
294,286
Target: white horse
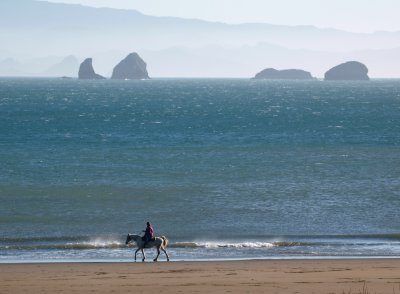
x,y
158,242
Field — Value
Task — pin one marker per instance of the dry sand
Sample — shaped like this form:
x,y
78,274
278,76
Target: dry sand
x,y
295,276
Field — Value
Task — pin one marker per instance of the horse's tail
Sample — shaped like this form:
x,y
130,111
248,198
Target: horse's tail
x,y
165,242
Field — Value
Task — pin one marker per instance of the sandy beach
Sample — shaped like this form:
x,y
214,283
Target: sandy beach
x,y
294,276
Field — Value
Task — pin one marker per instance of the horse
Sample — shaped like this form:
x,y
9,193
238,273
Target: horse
x,y
158,242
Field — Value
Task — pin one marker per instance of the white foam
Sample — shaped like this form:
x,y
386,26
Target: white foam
x,y
237,245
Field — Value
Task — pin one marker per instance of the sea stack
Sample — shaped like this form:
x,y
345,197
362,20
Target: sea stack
x,y
349,71
131,68
86,71
287,74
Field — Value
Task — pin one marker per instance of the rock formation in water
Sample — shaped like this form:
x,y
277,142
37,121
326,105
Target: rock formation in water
x,y
86,71
350,71
287,74
131,68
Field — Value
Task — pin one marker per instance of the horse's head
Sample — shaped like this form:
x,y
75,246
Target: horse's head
x,y
132,237
128,239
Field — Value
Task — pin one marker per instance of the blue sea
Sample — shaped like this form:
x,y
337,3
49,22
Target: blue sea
x,y
224,168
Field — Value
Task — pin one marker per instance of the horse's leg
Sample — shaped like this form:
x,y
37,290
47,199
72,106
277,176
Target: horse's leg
x,y
166,254
144,256
158,254
136,252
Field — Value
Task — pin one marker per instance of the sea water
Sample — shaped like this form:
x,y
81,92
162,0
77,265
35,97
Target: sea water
x,y
224,168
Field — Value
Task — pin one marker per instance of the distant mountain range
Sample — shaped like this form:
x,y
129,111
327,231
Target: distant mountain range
x,y
40,67
37,30
246,61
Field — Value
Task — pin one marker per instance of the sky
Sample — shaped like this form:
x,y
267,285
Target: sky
x,y
350,15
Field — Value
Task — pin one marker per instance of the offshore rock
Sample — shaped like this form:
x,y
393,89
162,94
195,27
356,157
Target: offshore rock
x,y
349,71
287,74
86,71
131,68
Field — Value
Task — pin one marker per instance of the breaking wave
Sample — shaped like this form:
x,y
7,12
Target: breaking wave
x,y
217,245
118,242
114,244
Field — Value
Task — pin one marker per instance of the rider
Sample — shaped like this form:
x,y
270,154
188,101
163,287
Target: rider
x,y
148,234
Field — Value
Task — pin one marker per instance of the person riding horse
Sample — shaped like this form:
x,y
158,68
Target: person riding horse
x,y
148,234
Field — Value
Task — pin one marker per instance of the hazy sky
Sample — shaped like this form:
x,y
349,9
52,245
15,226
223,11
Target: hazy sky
x,y
352,15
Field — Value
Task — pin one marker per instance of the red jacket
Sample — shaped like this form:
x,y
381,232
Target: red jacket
x,y
149,233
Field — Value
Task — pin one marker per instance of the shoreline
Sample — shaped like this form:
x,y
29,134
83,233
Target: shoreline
x,y
321,276
161,259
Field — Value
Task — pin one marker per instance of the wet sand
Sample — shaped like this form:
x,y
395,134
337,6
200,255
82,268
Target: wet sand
x,y
293,276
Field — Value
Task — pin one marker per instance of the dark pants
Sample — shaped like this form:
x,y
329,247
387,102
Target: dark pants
x,y
146,240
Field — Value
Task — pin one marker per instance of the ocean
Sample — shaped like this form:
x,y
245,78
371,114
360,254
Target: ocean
x,y
224,168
